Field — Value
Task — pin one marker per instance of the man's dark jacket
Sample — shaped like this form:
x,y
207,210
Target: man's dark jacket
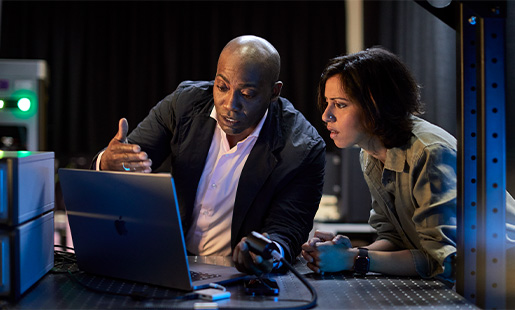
x,y
281,183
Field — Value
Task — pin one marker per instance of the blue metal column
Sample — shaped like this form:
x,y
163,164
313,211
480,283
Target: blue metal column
x,y
492,166
481,269
467,155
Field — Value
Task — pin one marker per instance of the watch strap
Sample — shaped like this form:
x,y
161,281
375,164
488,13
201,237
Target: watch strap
x,y
363,252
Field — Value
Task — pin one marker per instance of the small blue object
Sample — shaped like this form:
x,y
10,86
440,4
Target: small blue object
x,y
213,294
125,168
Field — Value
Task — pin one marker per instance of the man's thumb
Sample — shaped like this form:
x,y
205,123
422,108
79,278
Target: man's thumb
x,y
123,127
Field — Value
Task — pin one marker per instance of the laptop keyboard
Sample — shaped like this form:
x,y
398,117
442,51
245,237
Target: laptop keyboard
x,y
197,276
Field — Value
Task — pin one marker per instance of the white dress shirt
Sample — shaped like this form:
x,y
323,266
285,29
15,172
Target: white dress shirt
x,y
210,233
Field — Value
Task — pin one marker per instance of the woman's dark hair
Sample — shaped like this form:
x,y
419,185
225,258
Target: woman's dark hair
x,y
384,88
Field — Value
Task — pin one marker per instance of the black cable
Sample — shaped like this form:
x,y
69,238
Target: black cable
x,y
64,247
261,245
311,289
64,260
314,296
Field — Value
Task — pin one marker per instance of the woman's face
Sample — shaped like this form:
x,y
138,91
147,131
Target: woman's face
x,y
342,115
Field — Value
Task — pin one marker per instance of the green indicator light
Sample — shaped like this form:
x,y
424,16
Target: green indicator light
x,y
24,104
23,153
2,104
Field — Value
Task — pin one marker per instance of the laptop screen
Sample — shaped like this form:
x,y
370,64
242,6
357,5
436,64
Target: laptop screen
x,y
127,226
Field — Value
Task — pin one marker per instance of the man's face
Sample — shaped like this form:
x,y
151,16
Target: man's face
x,y
241,93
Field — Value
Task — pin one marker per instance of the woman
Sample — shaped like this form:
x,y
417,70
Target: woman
x,y
370,99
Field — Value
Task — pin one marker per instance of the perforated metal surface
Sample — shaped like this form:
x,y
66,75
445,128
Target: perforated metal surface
x,y
345,291
335,291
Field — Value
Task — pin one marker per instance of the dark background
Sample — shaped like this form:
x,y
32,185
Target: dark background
x,y
113,59
117,59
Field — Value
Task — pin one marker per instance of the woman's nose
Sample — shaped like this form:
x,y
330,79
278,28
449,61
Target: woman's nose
x,y
328,116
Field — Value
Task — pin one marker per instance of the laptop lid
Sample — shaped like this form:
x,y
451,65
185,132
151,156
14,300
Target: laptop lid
x,y
127,226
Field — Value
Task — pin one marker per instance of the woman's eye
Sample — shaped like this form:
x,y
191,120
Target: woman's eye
x,y
340,105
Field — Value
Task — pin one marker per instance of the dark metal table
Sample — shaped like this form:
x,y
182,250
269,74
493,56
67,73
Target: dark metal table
x,y
335,291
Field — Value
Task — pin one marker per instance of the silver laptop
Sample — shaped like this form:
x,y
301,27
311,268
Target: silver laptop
x,y
127,226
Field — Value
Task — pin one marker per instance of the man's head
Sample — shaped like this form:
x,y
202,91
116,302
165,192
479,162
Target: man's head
x,y
246,82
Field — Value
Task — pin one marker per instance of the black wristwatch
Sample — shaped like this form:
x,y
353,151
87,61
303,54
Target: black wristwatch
x,y
362,262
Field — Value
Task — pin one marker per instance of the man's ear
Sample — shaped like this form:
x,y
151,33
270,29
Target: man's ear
x,y
276,90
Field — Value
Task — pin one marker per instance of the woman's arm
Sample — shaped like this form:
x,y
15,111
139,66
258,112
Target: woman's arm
x,y
399,263
336,254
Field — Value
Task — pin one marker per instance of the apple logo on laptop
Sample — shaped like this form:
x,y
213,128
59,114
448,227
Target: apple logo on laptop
x,y
119,224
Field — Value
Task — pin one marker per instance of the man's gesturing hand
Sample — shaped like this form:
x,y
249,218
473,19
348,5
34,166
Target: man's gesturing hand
x,y
121,156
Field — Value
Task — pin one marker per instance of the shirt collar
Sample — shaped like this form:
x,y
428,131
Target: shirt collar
x,y
395,159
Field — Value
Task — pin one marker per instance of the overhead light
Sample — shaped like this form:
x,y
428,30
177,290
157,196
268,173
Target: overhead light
x,y
439,3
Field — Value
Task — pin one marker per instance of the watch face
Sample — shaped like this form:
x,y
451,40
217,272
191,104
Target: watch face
x,y
362,264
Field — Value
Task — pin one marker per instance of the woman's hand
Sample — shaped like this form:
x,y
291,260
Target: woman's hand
x,y
326,252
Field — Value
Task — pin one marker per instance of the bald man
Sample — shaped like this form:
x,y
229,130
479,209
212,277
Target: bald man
x,y
242,157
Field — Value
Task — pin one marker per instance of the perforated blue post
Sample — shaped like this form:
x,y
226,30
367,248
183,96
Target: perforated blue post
x,y
481,269
492,143
467,157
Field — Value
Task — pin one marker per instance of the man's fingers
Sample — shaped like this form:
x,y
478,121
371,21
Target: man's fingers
x,y
137,166
313,241
129,152
243,251
119,142
123,128
238,255
121,156
245,261
235,254
308,257
314,267
119,150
